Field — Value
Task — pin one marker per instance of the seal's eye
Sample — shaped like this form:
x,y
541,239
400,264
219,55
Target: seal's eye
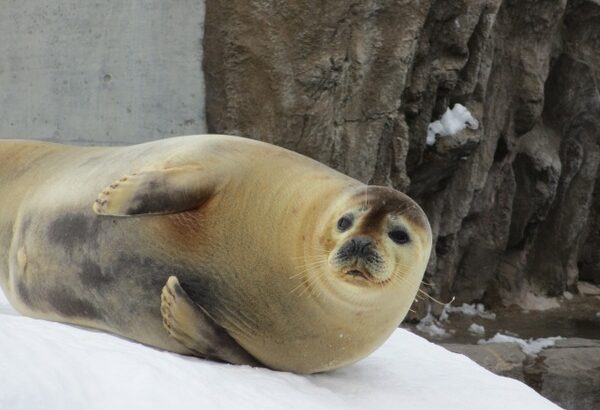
x,y
400,236
344,223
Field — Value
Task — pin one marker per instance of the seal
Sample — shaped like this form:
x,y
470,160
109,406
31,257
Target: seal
x,y
220,247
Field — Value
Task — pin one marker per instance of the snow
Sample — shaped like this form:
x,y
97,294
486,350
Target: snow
x,y
469,310
538,303
452,122
588,289
430,326
530,347
477,329
47,365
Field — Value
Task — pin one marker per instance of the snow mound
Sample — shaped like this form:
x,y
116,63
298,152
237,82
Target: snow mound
x,y
46,365
530,347
452,122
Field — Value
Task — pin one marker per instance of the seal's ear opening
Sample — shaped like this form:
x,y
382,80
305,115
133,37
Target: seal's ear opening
x,y
157,192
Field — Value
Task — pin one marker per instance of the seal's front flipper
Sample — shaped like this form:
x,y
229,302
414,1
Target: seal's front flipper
x,y
157,191
192,327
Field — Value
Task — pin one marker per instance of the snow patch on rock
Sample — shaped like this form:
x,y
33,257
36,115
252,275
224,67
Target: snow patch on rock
x,y
530,347
538,303
476,329
468,310
430,326
452,122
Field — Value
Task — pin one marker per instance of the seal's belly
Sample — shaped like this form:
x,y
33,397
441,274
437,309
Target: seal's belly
x,y
70,266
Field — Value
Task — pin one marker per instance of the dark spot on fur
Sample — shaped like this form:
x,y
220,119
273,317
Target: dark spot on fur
x,y
150,275
156,195
202,290
384,201
24,293
157,202
145,271
70,230
69,305
92,275
61,300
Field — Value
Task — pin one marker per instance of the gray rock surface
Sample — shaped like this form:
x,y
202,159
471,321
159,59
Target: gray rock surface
x,y
567,373
104,72
571,374
355,85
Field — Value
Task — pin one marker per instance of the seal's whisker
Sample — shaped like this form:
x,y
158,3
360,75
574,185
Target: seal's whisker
x,y
402,278
402,265
403,210
304,257
320,290
309,284
302,283
240,319
312,263
305,281
319,258
233,326
308,257
307,268
428,296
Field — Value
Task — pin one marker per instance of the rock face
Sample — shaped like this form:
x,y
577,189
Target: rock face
x,y
566,373
356,84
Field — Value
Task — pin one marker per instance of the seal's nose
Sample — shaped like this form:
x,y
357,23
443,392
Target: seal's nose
x,y
360,246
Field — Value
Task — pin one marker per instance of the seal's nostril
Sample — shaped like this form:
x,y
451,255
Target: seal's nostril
x,y
360,246
365,248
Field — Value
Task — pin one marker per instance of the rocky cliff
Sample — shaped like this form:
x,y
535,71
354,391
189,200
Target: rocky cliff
x,y
513,205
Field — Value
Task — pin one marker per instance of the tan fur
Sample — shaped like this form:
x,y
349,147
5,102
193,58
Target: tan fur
x,y
261,242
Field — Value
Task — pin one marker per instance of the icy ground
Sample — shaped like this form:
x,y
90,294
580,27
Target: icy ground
x,y
46,365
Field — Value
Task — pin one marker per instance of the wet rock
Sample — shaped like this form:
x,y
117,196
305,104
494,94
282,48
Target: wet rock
x,y
567,373
571,374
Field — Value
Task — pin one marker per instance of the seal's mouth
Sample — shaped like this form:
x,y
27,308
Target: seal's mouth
x,y
359,274
364,278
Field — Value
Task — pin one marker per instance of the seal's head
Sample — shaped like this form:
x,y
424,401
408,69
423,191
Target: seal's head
x,y
363,260
375,237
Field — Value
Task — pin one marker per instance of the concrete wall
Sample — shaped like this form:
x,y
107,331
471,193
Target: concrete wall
x,y
101,72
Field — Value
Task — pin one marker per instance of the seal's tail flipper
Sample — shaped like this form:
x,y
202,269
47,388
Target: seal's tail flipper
x,y
157,191
192,327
